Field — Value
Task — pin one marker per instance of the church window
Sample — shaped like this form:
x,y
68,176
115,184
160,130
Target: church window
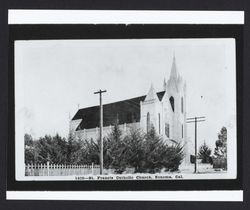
x,y
148,122
167,129
171,99
159,116
181,104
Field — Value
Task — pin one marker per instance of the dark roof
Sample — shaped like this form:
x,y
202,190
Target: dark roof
x,y
126,111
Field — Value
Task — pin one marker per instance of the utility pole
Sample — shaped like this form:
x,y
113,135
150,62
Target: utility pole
x,y
195,120
101,129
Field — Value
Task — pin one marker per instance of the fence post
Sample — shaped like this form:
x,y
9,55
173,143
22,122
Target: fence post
x,y
92,166
44,169
32,170
36,170
47,168
28,172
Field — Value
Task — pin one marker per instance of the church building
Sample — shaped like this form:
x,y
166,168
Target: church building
x,y
164,110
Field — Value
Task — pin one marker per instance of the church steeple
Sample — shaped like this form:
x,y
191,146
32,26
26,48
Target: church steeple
x,y
173,74
174,78
164,84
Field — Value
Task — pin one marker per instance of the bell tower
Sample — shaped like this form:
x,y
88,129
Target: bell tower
x,y
176,90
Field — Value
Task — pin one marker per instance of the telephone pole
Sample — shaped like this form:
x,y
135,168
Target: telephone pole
x,y
101,129
195,120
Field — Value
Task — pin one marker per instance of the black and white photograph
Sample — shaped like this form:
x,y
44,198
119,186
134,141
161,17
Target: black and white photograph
x,y
125,105
125,109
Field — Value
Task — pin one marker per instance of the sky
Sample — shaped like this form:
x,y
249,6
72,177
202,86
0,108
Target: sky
x,y
55,77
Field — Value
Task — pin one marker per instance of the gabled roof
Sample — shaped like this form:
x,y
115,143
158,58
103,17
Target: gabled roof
x,y
126,111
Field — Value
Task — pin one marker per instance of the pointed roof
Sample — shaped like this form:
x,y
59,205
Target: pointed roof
x,y
164,84
174,79
151,94
174,73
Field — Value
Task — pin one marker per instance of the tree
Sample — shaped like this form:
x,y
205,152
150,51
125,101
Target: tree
x,y
116,150
73,150
135,151
44,149
221,144
29,149
28,140
157,155
58,150
220,151
90,152
205,153
47,148
153,152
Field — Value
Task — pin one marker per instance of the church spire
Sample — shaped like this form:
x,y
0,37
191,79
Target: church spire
x,y
173,74
164,84
151,94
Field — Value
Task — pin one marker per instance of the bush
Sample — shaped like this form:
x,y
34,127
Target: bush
x,y
173,157
220,163
205,153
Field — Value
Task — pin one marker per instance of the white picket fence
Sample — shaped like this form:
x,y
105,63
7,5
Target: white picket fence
x,y
60,169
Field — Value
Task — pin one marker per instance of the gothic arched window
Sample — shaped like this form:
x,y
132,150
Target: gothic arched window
x,y
182,104
148,122
171,99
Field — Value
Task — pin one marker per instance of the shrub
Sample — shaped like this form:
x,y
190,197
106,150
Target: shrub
x,y
172,157
205,153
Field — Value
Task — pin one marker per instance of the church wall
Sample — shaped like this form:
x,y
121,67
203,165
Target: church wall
x,y
167,119
154,108
94,132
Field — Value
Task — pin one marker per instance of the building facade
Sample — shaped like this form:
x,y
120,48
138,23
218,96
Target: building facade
x,y
165,111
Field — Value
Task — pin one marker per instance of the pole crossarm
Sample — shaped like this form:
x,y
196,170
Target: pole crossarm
x,y
100,92
192,118
196,121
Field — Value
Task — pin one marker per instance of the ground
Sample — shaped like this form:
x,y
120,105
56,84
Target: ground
x,y
202,168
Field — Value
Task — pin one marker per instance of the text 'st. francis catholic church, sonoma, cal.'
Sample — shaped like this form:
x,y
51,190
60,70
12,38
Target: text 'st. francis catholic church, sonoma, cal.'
x,y
164,110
